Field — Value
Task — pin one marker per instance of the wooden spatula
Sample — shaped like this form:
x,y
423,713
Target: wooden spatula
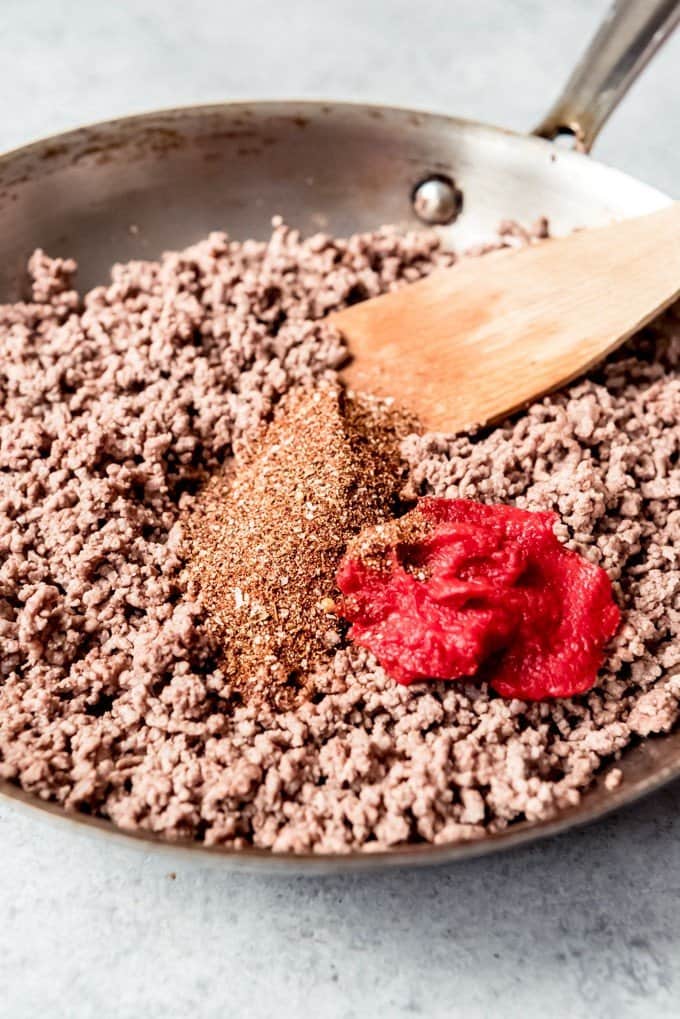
x,y
469,344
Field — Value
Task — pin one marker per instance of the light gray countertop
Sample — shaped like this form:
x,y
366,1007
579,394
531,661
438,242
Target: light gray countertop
x,y
584,925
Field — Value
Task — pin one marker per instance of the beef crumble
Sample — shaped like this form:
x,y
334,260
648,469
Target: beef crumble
x,y
115,407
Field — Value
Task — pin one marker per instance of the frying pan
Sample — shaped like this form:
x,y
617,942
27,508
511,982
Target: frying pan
x,y
131,188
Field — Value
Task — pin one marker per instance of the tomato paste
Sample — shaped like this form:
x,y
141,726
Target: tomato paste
x,y
459,589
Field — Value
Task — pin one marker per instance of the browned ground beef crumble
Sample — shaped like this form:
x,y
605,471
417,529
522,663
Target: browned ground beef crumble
x,y
113,407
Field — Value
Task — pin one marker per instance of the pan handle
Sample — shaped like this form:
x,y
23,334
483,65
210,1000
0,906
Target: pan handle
x,y
624,44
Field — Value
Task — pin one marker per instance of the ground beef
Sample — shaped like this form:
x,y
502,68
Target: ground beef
x,y
113,408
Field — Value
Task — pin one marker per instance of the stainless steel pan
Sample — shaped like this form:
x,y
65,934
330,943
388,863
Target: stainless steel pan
x,y
131,188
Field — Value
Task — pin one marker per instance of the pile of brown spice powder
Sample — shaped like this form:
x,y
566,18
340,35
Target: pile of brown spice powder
x,y
264,538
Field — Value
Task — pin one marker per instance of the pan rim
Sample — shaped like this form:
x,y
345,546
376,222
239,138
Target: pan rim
x,y
263,860
254,859
62,140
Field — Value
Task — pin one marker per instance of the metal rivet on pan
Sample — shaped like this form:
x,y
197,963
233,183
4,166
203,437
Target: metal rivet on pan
x,y
436,199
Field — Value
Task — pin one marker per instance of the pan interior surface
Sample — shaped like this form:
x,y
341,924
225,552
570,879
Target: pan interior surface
x,y
133,188
130,189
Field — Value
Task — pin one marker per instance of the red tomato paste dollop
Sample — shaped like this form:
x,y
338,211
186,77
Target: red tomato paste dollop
x,y
457,589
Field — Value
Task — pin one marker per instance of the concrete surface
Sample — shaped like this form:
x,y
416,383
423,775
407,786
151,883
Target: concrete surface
x,y
586,925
